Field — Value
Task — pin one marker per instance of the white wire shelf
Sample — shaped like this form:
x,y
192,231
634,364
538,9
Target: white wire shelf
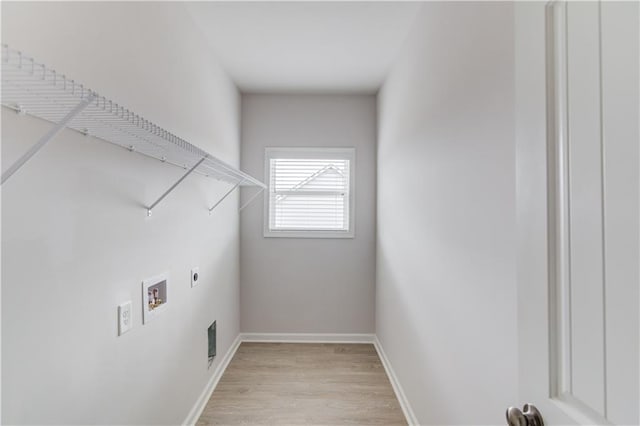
x,y
33,88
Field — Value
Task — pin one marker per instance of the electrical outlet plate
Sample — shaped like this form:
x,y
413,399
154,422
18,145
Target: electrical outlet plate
x,y
125,322
195,276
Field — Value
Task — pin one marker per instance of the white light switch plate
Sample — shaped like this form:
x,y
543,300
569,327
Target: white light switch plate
x,y
195,276
125,322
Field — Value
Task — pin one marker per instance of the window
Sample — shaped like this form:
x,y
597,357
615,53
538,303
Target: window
x,y
310,192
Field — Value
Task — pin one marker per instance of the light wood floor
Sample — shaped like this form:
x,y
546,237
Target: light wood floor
x,y
303,384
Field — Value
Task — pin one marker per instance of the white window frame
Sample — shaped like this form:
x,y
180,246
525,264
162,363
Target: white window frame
x,y
284,152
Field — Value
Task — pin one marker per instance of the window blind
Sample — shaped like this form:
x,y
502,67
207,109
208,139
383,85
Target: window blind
x,y
309,194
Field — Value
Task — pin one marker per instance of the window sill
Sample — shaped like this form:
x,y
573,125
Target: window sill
x,y
308,234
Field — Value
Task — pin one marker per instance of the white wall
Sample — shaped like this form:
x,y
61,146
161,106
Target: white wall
x,y
76,241
446,291
309,285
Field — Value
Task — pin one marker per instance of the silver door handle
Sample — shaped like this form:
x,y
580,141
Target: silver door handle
x,y
528,416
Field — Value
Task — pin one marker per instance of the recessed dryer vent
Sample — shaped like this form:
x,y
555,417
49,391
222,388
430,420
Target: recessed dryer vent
x,y
212,342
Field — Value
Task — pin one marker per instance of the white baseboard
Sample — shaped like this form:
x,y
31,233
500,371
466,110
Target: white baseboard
x,y
307,337
197,409
397,388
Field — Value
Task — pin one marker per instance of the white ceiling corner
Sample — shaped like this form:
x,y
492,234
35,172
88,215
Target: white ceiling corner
x,y
305,46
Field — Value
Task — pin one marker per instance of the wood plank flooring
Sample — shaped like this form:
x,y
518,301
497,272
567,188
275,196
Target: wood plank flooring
x,y
304,384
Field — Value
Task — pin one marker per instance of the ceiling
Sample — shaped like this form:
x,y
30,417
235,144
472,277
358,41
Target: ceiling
x,y
328,47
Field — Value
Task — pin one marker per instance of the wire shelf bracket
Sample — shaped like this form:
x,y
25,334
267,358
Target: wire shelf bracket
x,y
225,196
45,138
37,90
252,198
178,182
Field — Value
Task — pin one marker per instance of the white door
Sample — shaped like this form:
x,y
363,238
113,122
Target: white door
x,y
577,97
